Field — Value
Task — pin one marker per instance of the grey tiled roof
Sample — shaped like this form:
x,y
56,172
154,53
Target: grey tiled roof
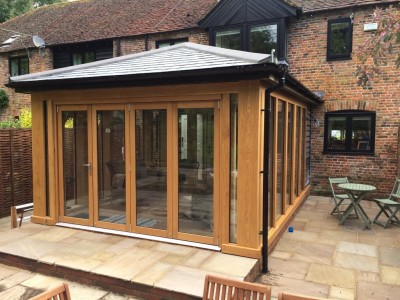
x,y
181,57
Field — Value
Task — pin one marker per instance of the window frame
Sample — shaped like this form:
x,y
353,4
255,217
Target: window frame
x,y
329,55
82,54
245,33
171,41
18,58
349,115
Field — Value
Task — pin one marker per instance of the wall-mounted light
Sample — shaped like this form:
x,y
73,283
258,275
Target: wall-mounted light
x,y
316,122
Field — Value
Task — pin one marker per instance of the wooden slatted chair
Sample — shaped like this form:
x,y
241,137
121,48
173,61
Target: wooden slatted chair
x,y
220,288
288,296
389,206
60,292
338,198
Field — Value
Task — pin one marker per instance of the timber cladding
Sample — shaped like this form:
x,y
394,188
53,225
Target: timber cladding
x,y
15,168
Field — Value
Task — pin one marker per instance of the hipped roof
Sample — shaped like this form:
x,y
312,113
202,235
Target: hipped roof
x,y
182,63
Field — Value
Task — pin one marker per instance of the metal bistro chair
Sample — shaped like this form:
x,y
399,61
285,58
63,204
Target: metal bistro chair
x,y
389,206
338,198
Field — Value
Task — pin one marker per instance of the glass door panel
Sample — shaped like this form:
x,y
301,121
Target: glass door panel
x,y
151,168
111,171
196,171
76,169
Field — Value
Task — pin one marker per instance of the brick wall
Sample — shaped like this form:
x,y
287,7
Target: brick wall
x,y
307,58
38,62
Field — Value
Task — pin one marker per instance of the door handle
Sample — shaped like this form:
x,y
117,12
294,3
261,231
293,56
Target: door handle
x,y
89,165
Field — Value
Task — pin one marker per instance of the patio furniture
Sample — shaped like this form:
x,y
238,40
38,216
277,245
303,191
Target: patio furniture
x,y
338,198
60,292
17,214
287,296
356,193
221,288
389,206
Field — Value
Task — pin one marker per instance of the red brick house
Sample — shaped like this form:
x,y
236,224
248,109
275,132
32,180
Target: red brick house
x,y
354,133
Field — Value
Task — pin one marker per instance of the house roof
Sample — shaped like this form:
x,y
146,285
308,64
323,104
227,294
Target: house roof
x,y
182,63
309,6
89,20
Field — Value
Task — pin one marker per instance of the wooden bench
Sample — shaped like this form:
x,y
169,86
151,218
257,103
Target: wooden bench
x,y
60,292
220,288
17,214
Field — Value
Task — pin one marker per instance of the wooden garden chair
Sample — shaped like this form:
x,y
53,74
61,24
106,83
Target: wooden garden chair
x,y
287,296
17,214
60,292
220,288
389,206
338,198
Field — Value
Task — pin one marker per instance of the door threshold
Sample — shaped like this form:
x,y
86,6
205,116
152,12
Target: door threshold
x,y
141,236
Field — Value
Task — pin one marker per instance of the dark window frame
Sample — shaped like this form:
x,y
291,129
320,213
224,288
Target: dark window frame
x,y
83,56
245,29
171,41
349,115
329,55
18,58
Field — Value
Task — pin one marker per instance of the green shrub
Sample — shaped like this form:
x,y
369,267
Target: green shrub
x,y
11,123
3,99
25,118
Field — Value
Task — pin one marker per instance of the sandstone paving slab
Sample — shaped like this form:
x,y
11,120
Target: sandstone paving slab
x,y
103,256
54,234
15,279
390,275
11,236
367,276
307,252
32,228
331,275
6,271
357,262
337,235
16,292
230,265
85,248
42,282
129,263
99,237
329,223
197,258
291,269
122,246
298,225
147,244
153,273
304,236
281,254
30,248
81,292
175,249
342,293
296,286
70,240
372,239
356,248
311,215
53,257
377,291
172,259
389,256
79,263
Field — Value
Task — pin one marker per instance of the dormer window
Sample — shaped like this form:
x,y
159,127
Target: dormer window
x,y
230,39
263,38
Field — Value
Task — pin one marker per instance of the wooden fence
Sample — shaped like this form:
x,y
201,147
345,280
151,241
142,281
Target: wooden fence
x,y
15,168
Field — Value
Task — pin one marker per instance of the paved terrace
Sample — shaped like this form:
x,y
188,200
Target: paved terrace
x,y
320,258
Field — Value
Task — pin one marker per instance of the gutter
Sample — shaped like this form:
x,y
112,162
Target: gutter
x,y
283,66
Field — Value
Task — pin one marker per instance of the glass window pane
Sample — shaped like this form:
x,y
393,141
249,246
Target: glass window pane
x,y
229,39
76,59
111,166
271,195
263,38
340,38
165,44
233,167
196,170
361,132
89,57
337,133
289,199
75,160
14,67
151,168
279,162
24,63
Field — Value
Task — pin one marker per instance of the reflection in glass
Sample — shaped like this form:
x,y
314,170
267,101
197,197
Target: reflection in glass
x,y
151,168
196,170
263,38
233,167
340,38
279,163
111,166
361,133
229,39
337,133
289,199
75,164
271,127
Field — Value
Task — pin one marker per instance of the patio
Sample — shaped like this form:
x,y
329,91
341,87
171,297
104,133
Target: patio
x,y
319,258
